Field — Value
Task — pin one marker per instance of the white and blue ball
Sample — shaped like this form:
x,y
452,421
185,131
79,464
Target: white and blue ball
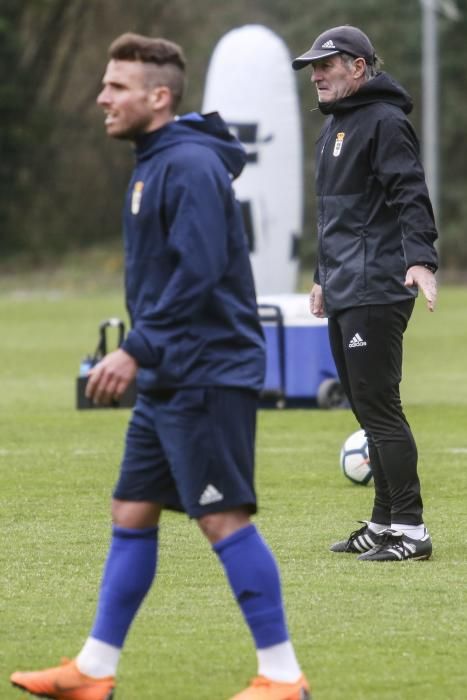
x,y
354,459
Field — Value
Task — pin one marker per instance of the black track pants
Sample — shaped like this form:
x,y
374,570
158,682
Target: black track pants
x,y
366,343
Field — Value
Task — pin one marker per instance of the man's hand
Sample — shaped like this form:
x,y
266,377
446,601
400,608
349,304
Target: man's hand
x,y
424,279
317,301
110,377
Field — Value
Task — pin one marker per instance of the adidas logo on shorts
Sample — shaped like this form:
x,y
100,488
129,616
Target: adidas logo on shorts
x,y
210,495
357,341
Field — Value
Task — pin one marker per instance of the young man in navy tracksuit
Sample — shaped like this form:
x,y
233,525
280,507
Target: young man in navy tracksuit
x,y
376,236
197,352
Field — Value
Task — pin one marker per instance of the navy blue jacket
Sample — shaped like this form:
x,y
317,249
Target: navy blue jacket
x,y
189,285
374,214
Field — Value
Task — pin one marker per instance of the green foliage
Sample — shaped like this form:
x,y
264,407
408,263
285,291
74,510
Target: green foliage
x,y
11,106
27,122
62,180
362,631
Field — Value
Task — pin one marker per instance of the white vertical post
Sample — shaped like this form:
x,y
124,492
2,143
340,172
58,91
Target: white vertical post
x,y
430,100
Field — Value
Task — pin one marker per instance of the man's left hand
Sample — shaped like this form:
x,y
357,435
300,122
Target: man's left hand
x,y
424,279
109,379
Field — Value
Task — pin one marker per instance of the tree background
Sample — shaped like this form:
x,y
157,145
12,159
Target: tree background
x,y
62,180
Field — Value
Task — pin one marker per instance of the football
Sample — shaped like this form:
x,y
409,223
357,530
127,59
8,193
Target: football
x,y
354,460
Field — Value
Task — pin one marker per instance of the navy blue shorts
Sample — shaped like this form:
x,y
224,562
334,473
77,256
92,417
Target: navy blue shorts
x,y
191,450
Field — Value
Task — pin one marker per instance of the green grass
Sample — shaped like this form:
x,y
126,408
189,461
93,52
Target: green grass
x,y
362,631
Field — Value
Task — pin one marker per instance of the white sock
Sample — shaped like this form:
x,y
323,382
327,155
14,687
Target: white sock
x,y
279,663
416,532
376,527
98,659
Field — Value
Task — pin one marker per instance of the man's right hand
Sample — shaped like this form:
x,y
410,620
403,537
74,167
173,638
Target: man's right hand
x,y
109,379
317,301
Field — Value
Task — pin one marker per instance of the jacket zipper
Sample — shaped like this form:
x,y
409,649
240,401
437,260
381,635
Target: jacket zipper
x,y
321,170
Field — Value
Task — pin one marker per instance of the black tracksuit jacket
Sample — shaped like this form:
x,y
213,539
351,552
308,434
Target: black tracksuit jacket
x,y
375,218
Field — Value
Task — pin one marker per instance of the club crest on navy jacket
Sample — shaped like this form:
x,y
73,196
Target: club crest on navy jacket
x,y
189,286
374,214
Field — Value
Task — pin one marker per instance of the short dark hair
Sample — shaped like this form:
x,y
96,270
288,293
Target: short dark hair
x,y
165,55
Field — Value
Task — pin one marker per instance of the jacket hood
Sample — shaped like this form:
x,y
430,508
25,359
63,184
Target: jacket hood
x,y
208,130
381,88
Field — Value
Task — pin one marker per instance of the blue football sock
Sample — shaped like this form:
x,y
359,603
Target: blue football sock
x,y
254,578
129,572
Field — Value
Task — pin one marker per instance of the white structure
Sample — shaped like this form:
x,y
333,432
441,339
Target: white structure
x,y
250,82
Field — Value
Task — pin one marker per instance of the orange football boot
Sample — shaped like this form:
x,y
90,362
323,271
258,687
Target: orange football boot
x,y
262,688
64,682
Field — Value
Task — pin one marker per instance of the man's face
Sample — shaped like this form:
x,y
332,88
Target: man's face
x,y
334,79
126,100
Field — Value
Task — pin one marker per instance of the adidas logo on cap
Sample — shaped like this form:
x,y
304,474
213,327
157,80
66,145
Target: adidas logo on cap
x,y
357,341
328,45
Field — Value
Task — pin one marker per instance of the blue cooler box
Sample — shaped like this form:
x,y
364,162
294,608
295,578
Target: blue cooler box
x,y
300,370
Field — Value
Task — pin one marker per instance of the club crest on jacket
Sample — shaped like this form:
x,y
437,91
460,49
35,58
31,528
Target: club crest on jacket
x,y
338,145
136,197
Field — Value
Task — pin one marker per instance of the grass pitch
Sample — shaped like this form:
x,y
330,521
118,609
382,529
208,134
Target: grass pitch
x,y
363,631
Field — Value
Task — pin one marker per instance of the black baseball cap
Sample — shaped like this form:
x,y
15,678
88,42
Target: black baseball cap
x,y
345,39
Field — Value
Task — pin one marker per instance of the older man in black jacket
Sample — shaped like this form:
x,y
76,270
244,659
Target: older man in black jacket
x,y
376,249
